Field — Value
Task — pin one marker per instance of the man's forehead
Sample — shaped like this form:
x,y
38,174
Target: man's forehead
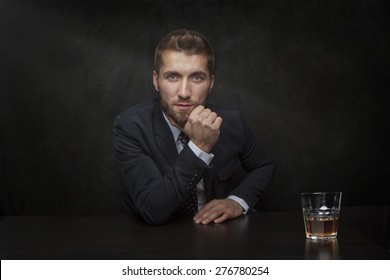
x,y
169,56
176,61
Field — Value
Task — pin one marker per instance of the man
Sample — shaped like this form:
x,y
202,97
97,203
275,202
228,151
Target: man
x,y
161,173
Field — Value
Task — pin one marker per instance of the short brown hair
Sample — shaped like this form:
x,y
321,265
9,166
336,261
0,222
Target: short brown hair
x,y
187,41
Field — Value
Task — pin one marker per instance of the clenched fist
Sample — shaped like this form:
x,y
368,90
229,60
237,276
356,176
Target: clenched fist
x,y
203,128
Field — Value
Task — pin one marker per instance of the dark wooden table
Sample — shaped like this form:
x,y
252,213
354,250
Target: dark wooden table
x,y
267,235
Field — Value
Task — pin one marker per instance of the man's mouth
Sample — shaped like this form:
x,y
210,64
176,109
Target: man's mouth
x,y
184,106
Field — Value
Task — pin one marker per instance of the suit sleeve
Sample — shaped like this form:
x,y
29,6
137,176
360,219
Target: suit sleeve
x,y
258,165
155,196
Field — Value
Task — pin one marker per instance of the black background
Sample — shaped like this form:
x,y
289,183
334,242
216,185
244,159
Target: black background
x,y
311,78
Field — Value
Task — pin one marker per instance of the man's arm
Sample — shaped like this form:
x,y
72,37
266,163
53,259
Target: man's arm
x,y
154,195
259,167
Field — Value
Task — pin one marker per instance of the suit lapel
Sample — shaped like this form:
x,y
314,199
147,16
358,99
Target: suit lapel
x,y
164,138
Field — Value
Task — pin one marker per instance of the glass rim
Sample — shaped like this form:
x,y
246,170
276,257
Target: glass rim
x,y
319,193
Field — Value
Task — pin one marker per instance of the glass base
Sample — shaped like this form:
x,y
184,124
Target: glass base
x,y
321,237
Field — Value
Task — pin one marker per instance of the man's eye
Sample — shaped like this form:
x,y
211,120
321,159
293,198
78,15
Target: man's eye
x,y
197,78
172,77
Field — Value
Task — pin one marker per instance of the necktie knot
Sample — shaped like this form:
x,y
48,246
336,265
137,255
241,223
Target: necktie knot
x,y
184,139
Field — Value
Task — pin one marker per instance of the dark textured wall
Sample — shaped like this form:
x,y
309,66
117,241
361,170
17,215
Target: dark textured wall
x,y
311,78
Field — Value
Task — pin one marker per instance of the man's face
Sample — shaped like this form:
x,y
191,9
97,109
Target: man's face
x,y
183,82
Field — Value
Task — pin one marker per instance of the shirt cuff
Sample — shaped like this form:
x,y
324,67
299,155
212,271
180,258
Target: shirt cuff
x,y
241,202
207,158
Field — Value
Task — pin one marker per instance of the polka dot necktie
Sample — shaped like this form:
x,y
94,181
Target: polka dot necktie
x,y
191,204
184,139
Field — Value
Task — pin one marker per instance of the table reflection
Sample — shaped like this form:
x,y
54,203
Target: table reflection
x,y
322,249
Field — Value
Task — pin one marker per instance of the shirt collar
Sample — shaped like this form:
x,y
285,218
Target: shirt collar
x,y
175,131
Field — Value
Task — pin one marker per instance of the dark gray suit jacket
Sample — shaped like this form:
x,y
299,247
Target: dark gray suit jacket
x,y
158,179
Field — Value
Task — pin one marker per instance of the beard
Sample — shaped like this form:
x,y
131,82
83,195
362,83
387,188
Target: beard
x,y
179,119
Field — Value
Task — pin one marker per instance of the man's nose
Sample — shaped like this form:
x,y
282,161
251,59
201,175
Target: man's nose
x,y
184,89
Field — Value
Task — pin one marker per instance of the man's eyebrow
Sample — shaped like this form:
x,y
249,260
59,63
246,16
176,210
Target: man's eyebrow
x,y
168,73
199,73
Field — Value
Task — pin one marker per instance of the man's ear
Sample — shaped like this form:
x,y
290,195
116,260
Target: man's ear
x,y
155,80
211,82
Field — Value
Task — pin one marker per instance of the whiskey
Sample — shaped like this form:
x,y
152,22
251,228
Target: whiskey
x,y
321,227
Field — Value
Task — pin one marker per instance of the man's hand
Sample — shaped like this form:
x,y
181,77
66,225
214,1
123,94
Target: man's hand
x,y
203,128
217,211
